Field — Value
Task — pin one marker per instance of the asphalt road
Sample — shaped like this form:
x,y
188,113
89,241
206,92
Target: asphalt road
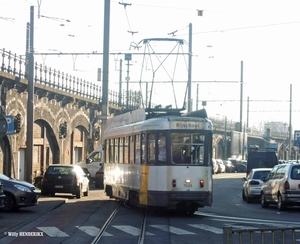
x,y
65,219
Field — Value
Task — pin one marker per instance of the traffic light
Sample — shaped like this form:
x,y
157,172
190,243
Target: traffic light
x,y
63,130
96,134
17,123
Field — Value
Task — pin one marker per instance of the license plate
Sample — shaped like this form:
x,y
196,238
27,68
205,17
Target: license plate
x,y
59,186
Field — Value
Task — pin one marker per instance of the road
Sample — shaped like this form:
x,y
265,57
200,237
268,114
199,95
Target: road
x,y
65,219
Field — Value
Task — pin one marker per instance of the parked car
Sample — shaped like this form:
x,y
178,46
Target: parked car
x,y
99,179
229,167
221,166
282,186
241,166
215,166
18,193
65,179
253,183
2,196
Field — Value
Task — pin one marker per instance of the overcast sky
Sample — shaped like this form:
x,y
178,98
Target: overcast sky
x,y
262,34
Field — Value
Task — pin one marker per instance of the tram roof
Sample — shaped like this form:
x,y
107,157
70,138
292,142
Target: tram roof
x,y
160,120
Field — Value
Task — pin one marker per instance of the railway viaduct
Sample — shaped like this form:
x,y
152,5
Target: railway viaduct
x,y
60,100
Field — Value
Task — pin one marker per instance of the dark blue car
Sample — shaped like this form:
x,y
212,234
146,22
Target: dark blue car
x,y
18,193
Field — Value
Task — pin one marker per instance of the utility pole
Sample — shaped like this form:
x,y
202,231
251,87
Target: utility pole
x,y
105,67
241,99
127,58
225,139
30,100
120,83
189,102
241,149
290,122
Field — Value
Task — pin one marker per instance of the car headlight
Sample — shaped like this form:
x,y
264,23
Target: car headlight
x,y
22,188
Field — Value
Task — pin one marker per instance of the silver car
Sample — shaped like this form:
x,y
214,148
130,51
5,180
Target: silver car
x,y
282,186
253,183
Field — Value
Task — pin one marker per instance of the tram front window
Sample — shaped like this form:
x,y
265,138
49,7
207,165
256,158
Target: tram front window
x,y
187,148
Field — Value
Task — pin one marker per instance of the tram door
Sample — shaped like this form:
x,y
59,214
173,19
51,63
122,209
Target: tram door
x,y
21,164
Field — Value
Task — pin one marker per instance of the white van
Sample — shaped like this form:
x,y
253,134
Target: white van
x,y
93,162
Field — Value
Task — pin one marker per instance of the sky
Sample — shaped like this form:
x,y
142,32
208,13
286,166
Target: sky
x,y
263,35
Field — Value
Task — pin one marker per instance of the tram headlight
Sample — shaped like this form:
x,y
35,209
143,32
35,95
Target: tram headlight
x,y
201,183
187,181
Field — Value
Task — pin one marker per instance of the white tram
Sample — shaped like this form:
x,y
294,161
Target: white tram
x,y
164,161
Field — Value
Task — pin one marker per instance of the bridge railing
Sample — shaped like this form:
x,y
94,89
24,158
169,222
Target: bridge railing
x,y
16,65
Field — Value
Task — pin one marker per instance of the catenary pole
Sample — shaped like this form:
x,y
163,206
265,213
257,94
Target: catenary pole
x,y
105,67
30,101
189,102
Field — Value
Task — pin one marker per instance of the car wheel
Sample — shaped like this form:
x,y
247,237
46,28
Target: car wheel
x,y
86,193
78,193
243,195
280,205
9,203
263,201
248,199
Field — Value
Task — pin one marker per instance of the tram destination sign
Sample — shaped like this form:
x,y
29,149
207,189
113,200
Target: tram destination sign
x,y
187,125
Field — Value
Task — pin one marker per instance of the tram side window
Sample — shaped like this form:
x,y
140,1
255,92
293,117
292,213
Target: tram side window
x,y
116,151
151,147
111,150
107,151
131,148
143,148
162,153
126,150
121,148
137,149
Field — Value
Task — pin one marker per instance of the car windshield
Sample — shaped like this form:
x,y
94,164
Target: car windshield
x,y
187,148
260,174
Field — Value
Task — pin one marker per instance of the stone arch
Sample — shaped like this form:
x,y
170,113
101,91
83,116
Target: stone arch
x,y
79,137
46,147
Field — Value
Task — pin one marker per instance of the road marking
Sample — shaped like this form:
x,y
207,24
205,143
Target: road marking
x,y
53,231
207,228
91,230
172,229
131,230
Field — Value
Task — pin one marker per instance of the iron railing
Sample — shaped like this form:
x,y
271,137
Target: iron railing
x,y
16,65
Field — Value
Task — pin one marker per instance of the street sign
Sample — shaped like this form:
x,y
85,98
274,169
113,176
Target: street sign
x,y
10,124
3,126
297,138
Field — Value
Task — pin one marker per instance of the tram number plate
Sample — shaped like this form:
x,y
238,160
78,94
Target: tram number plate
x,y
59,186
188,185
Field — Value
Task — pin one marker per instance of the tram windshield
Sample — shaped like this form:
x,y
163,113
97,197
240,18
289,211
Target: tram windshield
x,y
187,148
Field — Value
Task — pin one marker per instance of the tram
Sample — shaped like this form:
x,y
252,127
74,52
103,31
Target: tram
x,y
160,159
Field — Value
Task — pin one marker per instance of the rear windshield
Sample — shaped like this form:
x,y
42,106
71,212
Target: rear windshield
x,y
260,174
295,174
60,171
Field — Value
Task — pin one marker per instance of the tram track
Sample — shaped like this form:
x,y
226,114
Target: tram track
x,y
106,225
143,229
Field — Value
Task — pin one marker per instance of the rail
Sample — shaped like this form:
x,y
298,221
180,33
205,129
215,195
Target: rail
x,y
234,236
